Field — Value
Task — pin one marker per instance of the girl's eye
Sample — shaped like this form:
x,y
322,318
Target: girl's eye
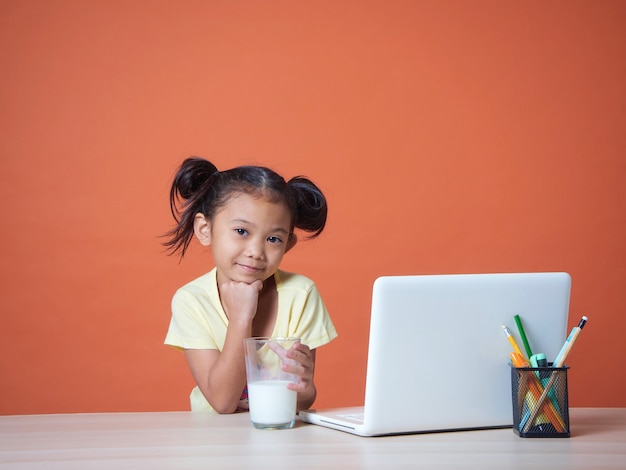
x,y
274,240
241,231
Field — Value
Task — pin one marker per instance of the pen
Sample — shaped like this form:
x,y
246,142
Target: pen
x,y
512,341
569,342
558,362
522,333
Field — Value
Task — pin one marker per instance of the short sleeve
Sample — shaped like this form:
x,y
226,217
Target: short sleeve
x,y
197,322
307,315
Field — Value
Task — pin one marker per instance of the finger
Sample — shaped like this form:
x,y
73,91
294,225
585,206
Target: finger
x,y
301,355
297,387
303,371
278,349
301,347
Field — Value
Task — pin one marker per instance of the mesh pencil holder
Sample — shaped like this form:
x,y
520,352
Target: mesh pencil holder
x,y
540,402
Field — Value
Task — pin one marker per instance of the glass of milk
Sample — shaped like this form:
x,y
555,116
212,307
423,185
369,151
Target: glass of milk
x,y
272,405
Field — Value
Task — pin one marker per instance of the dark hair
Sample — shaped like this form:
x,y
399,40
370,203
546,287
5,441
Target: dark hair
x,y
198,187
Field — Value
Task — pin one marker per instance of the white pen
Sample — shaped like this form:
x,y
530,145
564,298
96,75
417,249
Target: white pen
x,y
569,342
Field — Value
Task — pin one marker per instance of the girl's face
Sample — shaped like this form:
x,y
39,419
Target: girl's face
x,y
248,236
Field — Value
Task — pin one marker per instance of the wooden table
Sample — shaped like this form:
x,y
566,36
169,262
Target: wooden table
x,y
192,440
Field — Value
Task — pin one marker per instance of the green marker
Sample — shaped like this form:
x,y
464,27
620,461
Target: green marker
x,y
522,333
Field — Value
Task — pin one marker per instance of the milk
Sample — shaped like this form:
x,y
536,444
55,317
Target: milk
x,y
271,402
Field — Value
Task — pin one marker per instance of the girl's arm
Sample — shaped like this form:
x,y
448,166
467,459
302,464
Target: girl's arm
x,y
221,375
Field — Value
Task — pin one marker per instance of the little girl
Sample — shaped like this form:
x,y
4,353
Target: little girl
x,y
247,216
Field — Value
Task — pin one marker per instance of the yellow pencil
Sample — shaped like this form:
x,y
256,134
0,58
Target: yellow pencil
x,y
512,341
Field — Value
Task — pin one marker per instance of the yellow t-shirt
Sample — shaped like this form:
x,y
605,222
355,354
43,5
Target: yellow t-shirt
x,y
199,321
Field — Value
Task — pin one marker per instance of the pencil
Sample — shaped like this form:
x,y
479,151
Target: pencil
x,y
511,339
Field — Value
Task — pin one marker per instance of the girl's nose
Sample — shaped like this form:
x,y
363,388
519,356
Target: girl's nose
x,y
254,249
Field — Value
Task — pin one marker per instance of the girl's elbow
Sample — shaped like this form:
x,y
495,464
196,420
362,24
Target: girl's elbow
x,y
220,403
224,408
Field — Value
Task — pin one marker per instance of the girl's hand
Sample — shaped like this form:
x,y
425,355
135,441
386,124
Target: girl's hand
x,y
303,366
240,300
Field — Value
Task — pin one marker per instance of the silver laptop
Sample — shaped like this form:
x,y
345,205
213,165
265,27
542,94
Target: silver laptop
x,y
438,355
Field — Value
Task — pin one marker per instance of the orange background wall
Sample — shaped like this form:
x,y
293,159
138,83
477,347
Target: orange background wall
x,y
449,137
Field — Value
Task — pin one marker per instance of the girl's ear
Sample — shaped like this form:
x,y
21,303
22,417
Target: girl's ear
x,y
202,229
293,239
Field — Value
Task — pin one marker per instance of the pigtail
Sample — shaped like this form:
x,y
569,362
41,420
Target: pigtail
x,y
310,204
191,182
193,173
